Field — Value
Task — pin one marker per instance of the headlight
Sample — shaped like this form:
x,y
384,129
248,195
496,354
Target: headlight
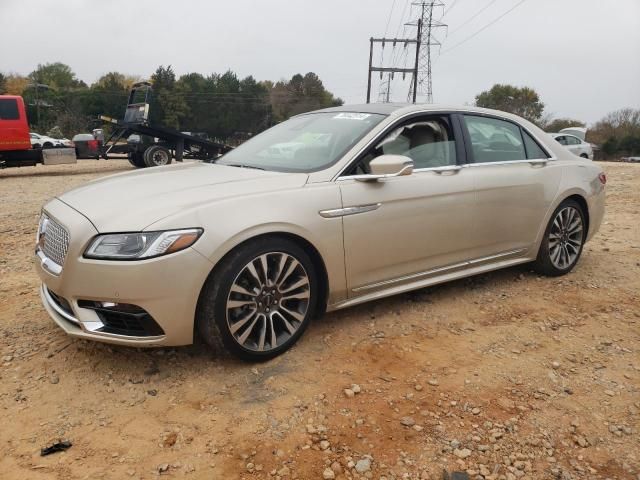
x,y
140,245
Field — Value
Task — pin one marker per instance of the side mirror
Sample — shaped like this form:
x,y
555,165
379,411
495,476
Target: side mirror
x,y
387,166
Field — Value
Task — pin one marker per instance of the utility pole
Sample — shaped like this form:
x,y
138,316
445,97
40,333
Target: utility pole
x,y
426,28
390,70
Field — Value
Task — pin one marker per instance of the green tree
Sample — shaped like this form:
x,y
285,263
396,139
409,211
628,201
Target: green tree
x,y
3,83
522,101
168,107
57,76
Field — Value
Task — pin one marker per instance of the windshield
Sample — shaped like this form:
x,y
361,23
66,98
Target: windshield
x,y
305,143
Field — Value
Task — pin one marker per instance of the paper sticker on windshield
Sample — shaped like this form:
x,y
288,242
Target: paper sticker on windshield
x,y
352,116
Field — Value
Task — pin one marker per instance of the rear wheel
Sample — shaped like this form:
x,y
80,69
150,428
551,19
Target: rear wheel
x,y
563,240
584,155
260,299
156,156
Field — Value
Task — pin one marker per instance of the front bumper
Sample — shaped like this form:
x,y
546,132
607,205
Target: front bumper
x,y
167,288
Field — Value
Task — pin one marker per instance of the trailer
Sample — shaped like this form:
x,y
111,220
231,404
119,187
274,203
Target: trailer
x,y
15,142
149,145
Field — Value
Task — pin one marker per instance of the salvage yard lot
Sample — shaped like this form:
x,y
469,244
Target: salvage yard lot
x,y
506,375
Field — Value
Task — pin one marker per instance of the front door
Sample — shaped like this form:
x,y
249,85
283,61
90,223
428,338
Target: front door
x,y
405,228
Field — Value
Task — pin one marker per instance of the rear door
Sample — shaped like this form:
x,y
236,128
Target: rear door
x,y
515,181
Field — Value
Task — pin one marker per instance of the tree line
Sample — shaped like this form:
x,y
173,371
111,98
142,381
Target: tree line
x,y
224,106
617,133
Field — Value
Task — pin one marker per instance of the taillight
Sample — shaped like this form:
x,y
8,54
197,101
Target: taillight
x,y
603,178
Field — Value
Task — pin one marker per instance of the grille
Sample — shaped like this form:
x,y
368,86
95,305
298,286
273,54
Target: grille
x,y
56,242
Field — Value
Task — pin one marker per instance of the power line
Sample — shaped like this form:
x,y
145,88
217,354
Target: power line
x,y
449,8
472,17
486,26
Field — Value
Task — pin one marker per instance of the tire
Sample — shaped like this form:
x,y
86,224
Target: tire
x,y
47,145
584,155
563,240
157,156
256,321
136,159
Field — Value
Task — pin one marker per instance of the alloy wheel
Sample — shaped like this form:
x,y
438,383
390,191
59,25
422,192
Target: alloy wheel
x,y
268,301
566,237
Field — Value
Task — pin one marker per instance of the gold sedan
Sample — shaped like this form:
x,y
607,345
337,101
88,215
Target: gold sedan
x,y
326,210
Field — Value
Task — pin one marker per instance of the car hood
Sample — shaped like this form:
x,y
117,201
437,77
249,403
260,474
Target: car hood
x,y
134,200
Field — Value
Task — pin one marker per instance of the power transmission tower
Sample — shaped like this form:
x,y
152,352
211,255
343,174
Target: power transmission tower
x,y
393,70
427,27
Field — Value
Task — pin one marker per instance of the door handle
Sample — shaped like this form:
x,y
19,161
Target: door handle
x,y
448,170
538,163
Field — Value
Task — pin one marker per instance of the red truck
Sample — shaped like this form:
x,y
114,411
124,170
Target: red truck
x,y
15,143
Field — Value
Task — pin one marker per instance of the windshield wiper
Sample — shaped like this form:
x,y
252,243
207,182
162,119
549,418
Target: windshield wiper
x,y
240,165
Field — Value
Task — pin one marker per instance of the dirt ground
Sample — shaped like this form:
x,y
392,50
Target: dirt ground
x,y
504,376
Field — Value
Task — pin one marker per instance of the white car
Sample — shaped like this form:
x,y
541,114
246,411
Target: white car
x,y
42,141
574,140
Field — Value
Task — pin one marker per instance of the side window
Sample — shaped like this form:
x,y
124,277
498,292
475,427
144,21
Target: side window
x,y
428,141
494,140
573,141
562,140
533,149
9,109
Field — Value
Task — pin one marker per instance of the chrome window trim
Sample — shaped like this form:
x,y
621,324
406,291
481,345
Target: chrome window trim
x,y
552,156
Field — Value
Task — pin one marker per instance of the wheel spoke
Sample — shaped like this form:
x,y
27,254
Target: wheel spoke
x,y
298,316
292,266
243,338
274,339
286,323
240,323
298,284
263,333
281,263
265,269
304,295
239,303
253,272
240,289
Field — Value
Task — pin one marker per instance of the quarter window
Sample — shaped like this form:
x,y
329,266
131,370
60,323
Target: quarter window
x,y
533,149
494,140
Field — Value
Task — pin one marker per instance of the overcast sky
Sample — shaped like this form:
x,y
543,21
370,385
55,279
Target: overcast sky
x,y
582,56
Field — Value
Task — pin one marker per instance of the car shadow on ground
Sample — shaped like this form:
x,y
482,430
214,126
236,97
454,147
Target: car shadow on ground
x,y
121,357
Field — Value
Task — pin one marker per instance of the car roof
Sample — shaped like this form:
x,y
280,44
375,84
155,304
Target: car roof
x,y
400,109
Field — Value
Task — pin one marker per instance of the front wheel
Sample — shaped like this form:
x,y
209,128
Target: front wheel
x,y
260,299
563,240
